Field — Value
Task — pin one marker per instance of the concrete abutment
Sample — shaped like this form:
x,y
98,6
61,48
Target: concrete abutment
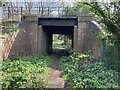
x,y
35,35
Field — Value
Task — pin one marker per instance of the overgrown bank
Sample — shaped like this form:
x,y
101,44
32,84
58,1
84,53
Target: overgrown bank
x,y
84,71
26,72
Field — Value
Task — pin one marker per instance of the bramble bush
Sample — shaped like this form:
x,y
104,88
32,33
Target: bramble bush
x,y
25,72
84,71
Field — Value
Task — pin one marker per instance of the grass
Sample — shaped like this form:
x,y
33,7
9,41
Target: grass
x,y
59,44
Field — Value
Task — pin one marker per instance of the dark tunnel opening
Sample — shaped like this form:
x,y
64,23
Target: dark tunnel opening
x,y
51,31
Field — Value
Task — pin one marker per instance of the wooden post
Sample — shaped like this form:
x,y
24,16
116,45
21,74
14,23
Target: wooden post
x,y
21,13
42,11
39,10
48,12
58,11
12,13
8,12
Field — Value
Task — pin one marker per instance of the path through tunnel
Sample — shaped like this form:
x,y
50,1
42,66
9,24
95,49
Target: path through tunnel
x,y
59,30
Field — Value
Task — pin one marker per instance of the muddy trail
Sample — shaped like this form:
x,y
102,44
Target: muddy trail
x,y
56,78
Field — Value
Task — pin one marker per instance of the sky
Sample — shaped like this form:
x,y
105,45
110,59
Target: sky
x,y
60,0
41,0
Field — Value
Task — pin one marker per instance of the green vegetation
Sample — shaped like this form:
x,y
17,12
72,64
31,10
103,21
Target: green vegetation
x,y
76,9
61,42
108,17
58,44
3,3
108,14
25,72
79,70
84,71
9,27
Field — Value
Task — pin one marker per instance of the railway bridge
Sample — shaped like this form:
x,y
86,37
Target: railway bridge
x,y
35,32
35,35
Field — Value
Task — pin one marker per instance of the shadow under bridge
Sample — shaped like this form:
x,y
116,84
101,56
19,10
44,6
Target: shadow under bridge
x,y
51,26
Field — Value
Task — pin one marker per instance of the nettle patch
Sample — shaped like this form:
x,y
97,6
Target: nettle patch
x,y
84,71
25,72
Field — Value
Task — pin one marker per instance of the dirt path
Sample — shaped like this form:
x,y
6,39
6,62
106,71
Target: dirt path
x,y
56,80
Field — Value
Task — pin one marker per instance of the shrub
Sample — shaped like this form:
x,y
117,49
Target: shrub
x,y
84,71
111,58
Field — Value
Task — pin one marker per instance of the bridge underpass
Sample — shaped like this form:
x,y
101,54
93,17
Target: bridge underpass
x,y
50,30
52,26
35,35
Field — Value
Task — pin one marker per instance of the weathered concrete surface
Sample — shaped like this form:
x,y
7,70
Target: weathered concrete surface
x,y
57,21
75,38
26,40
41,41
87,40
34,39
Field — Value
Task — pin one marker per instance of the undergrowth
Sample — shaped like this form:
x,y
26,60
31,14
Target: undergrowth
x,y
25,72
85,71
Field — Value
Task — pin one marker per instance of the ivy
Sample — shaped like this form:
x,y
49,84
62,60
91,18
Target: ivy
x,y
84,71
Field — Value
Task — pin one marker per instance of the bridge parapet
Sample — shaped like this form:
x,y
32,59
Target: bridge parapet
x,y
33,17
85,17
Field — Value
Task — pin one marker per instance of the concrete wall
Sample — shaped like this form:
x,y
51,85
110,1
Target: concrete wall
x,y
32,38
29,39
75,38
26,40
86,37
42,42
